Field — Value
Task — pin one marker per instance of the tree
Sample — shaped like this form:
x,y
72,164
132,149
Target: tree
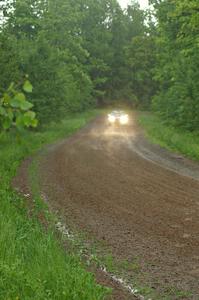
x,y
76,53
50,51
177,62
140,61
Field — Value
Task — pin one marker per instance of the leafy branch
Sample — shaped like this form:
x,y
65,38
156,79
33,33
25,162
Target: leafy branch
x,y
15,109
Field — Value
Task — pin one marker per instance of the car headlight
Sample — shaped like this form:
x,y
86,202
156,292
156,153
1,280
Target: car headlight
x,y
111,118
124,119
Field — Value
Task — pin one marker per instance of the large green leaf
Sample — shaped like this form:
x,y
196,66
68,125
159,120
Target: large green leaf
x,y
15,103
20,96
28,118
25,105
27,87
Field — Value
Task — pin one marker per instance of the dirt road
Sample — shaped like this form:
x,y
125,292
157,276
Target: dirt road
x,y
113,184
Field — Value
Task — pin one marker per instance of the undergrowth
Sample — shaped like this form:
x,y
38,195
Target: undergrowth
x,y
172,138
33,265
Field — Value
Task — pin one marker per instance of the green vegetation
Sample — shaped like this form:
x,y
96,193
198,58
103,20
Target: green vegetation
x,y
15,109
170,137
77,53
33,265
176,68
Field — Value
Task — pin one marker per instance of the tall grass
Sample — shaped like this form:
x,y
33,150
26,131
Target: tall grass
x,y
32,263
170,137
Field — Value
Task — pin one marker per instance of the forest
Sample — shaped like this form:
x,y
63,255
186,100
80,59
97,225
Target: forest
x,y
82,54
60,61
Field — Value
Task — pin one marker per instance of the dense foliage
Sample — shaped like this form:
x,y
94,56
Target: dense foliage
x,y
77,53
84,52
177,62
15,109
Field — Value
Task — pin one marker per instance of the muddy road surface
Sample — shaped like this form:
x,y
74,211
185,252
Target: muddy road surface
x,y
140,200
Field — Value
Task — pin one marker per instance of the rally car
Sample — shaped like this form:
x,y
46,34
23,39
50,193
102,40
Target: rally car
x,y
118,117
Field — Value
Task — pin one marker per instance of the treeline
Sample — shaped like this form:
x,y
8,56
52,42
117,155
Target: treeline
x,y
177,62
79,53
76,52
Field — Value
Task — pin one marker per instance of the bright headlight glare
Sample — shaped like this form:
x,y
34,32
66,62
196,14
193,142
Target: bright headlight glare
x,y
124,119
111,119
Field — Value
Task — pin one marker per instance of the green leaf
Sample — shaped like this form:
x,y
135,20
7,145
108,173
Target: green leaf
x,y
27,87
20,97
25,105
15,103
28,118
30,114
19,101
34,123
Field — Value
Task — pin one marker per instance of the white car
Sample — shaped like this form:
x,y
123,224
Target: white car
x,y
118,117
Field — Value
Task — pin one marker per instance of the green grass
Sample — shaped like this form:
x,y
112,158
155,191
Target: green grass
x,y
170,137
33,265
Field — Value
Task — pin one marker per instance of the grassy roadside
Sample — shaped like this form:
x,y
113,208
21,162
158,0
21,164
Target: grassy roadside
x,y
32,263
169,137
